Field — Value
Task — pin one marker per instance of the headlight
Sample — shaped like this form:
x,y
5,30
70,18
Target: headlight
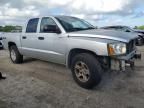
x,y
116,48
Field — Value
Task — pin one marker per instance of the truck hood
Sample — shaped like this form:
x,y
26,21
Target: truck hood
x,y
105,34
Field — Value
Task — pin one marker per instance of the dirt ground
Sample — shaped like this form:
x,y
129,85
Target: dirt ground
x,y
39,84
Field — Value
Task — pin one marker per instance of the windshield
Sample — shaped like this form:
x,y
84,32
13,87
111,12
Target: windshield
x,y
71,24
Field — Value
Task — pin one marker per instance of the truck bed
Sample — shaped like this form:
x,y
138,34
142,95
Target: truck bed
x,y
11,37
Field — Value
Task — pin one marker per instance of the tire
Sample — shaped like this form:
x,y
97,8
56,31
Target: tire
x,y
92,66
15,56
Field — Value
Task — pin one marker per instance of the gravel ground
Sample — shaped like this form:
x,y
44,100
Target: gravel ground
x,y
39,84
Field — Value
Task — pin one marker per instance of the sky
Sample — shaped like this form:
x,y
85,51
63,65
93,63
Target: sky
x,y
97,12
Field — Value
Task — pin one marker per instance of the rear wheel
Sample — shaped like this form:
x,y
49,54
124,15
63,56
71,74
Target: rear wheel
x,y
86,70
15,56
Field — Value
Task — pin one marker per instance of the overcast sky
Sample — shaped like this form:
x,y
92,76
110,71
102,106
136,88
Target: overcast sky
x,y
98,12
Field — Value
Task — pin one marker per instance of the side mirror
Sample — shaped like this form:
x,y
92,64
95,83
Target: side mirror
x,y
0,38
51,29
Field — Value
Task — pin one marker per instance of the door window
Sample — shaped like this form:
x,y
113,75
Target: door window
x,y
47,23
32,25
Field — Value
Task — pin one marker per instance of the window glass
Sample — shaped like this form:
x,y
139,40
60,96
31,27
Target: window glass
x,y
71,24
32,25
46,22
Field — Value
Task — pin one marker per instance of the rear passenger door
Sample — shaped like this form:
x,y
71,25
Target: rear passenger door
x,y
29,38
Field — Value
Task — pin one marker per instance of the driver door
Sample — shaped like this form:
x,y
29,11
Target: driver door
x,y
50,43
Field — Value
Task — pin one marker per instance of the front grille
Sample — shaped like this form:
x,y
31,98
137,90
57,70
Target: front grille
x,y
130,46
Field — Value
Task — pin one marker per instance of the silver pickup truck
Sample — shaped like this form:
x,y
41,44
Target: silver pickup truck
x,y
75,43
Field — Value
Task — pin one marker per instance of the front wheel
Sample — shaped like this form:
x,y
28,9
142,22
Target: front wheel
x,y
86,70
15,56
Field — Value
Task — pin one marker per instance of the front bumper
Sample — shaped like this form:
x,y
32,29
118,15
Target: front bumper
x,y
120,62
127,57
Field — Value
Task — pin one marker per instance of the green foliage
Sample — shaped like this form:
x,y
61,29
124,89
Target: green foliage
x,y
9,28
141,27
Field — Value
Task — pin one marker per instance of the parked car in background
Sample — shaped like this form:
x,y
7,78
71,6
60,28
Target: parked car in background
x,y
139,31
74,43
139,40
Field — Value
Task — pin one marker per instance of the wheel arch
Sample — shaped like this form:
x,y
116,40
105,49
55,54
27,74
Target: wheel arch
x,y
75,51
11,44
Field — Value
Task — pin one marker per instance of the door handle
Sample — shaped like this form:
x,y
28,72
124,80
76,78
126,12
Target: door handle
x,y
24,37
41,38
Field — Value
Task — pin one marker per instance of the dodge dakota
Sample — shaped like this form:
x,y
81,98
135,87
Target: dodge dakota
x,y
74,43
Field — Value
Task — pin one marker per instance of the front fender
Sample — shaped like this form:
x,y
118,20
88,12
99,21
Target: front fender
x,y
97,48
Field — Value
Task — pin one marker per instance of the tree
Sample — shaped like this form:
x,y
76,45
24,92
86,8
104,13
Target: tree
x,y
8,28
141,27
1,28
136,27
